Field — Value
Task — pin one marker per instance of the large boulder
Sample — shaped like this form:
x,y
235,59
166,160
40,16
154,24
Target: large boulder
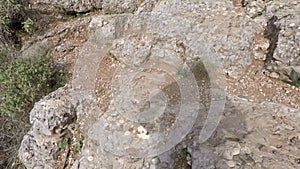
x,y
51,120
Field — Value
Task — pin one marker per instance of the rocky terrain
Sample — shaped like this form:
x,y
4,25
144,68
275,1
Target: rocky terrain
x,y
215,76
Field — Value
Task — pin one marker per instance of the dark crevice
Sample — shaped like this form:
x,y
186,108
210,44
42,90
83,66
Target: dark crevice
x,y
76,14
244,3
73,13
271,33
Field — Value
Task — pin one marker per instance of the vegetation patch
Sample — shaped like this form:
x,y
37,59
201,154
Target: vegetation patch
x,y
12,14
25,81
22,83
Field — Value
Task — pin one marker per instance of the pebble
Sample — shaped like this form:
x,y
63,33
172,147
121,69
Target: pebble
x,y
127,133
292,24
230,164
236,151
90,158
274,75
146,165
155,160
245,150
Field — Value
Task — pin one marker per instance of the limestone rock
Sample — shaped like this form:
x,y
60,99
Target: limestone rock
x,y
73,5
50,119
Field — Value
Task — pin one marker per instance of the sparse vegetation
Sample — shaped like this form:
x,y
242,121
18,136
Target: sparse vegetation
x,y
28,25
63,144
181,72
12,13
22,83
295,79
77,147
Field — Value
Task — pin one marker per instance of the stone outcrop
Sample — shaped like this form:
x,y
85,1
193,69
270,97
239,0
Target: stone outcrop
x,y
51,119
233,34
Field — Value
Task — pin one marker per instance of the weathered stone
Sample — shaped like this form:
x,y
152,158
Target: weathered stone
x,y
37,49
218,29
50,119
73,5
108,6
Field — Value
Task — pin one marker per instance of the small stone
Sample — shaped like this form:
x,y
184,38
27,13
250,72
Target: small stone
x,y
292,24
142,133
227,155
127,133
274,75
257,166
245,150
236,151
146,165
269,67
90,158
230,164
155,160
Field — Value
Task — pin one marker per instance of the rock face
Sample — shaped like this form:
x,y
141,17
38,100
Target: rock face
x,y
51,119
283,46
108,6
178,34
73,5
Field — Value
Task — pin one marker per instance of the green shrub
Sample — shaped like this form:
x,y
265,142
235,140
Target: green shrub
x,y
25,81
11,12
12,15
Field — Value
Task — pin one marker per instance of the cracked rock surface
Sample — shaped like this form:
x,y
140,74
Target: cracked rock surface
x,y
257,43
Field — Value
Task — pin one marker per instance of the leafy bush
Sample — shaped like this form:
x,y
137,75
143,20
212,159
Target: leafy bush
x,y
12,15
11,12
24,81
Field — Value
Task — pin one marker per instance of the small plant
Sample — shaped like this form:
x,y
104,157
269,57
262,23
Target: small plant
x,y
114,57
78,144
93,119
295,79
181,72
63,144
28,25
100,90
